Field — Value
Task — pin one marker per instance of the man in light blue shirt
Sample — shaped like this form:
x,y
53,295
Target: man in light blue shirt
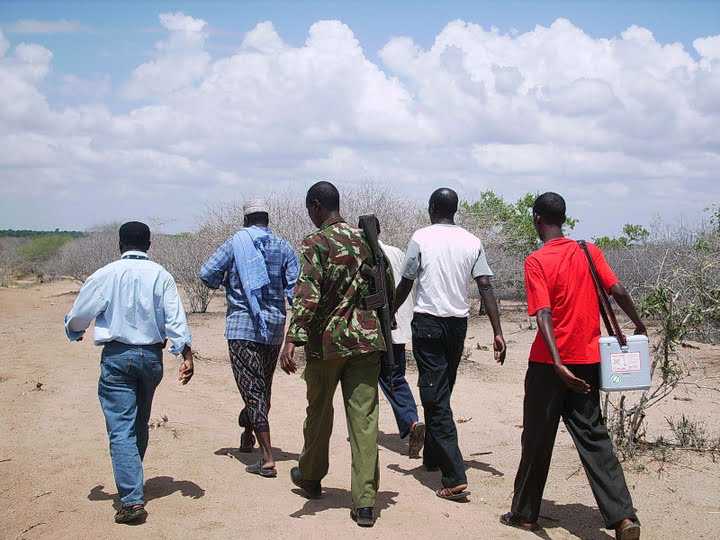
x,y
259,270
136,308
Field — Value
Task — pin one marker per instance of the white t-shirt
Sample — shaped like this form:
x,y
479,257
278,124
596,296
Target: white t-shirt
x,y
402,334
442,259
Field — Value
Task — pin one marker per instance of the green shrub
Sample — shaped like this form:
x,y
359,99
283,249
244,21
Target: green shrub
x,y
40,249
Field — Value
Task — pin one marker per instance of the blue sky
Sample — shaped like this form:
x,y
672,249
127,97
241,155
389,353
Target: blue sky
x,y
119,33
451,104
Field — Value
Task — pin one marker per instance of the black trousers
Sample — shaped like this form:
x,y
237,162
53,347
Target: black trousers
x,y
546,400
437,346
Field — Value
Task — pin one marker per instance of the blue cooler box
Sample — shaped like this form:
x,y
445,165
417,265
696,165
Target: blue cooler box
x,y
626,368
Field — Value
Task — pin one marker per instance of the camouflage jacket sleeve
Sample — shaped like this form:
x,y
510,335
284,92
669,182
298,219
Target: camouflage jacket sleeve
x,y
307,292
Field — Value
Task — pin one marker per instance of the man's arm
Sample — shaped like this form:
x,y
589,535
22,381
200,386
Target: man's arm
x,y
625,301
613,286
545,324
305,303
89,303
212,273
402,292
488,296
409,271
177,329
481,273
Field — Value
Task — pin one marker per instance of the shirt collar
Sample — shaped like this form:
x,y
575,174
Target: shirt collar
x,y
332,221
557,240
133,254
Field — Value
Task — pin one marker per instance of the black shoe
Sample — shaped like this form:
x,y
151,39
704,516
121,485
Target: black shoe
x,y
364,517
131,514
311,488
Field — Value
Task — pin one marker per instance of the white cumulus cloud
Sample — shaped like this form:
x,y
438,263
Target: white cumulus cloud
x,y
180,60
626,126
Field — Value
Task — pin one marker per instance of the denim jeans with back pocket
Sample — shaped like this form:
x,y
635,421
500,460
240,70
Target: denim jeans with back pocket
x,y
129,375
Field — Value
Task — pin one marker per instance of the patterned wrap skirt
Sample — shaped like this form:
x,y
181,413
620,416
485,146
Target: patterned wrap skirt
x,y
253,366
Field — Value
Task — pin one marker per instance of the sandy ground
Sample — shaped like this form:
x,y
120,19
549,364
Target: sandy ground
x,y
56,479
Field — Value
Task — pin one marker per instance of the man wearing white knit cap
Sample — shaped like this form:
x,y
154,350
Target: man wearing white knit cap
x,y
258,270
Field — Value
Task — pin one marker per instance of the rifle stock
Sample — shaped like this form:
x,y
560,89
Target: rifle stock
x,y
380,297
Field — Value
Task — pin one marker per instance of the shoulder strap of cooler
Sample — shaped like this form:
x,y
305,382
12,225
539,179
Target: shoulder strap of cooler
x,y
606,309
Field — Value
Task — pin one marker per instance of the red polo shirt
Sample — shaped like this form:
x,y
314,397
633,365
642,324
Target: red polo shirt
x,y
557,276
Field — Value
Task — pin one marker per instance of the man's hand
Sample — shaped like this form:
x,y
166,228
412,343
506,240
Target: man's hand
x,y
500,349
640,329
287,358
571,381
187,368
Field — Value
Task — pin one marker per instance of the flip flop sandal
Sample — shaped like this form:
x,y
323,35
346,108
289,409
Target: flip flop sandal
x,y
448,495
629,532
511,521
247,443
265,472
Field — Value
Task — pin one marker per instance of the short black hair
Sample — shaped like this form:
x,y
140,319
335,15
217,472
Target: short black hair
x,y
326,194
551,208
258,218
444,202
135,234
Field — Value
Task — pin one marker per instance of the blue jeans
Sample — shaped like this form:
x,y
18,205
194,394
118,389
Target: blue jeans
x,y
401,400
129,375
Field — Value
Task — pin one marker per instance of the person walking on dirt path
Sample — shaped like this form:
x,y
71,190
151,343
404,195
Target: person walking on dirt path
x,y
258,270
400,396
562,378
136,308
343,344
442,258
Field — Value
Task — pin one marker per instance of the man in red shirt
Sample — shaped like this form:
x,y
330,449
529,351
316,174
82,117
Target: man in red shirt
x,y
563,376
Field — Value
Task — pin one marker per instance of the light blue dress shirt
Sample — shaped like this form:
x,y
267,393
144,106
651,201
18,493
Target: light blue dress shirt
x,y
134,301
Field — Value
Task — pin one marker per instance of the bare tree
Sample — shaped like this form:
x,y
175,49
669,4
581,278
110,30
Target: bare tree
x,y
81,257
183,255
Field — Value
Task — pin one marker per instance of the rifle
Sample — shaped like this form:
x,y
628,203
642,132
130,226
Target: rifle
x,y
380,298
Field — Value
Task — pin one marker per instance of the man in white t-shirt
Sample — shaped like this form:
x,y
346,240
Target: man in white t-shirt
x,y
441,259
401,398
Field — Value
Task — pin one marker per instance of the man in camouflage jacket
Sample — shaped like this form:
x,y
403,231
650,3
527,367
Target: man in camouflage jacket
x,y
343,344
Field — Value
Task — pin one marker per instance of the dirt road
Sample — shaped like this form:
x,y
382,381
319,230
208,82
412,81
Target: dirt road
x,y
56,479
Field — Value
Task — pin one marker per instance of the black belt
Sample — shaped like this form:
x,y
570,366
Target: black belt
x,y
159,345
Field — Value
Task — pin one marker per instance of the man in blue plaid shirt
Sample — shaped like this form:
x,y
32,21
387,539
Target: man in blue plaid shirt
x,y
258,270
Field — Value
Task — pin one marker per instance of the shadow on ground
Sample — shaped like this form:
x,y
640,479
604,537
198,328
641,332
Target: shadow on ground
x,y
334,498
155,488
431,480
393,442
250,458
578,519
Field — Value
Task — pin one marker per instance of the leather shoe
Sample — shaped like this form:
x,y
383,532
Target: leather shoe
x,y
311,488
364,517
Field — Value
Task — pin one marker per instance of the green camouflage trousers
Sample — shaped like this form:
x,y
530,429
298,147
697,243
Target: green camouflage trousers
x,y
358,378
